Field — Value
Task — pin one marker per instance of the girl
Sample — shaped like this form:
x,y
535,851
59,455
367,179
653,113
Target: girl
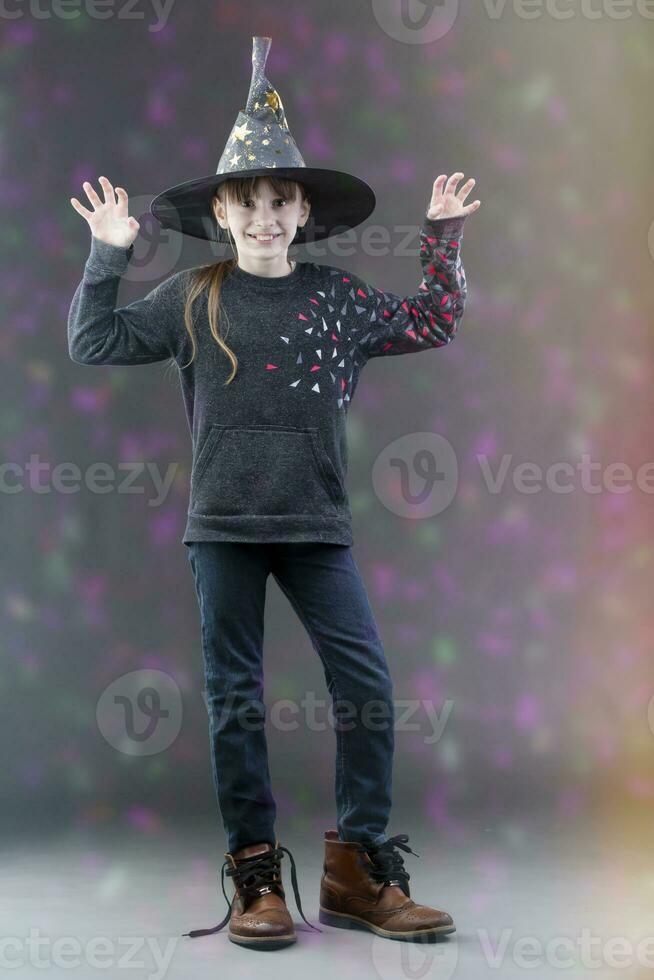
x,y
267,416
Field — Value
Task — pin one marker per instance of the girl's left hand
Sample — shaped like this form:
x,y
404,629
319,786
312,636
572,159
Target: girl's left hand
x,y
445,203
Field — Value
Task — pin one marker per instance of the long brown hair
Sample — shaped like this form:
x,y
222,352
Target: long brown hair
x,y
210,277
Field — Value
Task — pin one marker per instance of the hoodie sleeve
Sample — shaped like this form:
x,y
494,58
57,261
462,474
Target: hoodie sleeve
x,y
145,331
388,324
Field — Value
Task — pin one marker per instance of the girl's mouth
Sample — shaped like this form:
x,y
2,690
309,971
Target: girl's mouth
x,y
263,238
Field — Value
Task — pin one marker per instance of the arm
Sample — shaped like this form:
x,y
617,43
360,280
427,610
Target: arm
x,y
141,333
409,324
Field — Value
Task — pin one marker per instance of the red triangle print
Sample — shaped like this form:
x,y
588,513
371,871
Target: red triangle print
x,y
383,322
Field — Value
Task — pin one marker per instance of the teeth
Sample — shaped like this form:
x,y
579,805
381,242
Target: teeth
x,y
264,238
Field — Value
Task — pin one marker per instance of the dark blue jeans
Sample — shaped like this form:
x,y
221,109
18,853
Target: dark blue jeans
x,y
324,586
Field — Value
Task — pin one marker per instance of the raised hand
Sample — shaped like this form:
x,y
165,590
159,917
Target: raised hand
x,y
109,220
445,203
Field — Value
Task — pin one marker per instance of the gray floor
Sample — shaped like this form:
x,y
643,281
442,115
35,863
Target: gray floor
x,y
512,888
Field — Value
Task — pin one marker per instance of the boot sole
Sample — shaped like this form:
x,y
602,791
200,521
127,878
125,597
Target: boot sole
x,y
262,942
340,920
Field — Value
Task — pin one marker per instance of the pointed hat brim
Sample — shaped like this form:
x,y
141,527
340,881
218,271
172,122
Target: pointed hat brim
x,y
339,201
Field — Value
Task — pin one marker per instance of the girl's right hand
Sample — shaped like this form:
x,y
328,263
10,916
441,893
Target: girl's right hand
x,y
109,220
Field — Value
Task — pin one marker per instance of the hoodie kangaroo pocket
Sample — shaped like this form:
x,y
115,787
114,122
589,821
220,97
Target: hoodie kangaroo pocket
x,y
264,470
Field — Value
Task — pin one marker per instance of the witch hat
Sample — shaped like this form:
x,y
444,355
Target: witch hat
x,y
261,142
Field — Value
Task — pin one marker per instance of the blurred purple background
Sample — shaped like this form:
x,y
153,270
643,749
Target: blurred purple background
x,y
528,613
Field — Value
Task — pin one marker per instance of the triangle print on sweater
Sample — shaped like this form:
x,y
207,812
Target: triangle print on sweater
x,y
339,328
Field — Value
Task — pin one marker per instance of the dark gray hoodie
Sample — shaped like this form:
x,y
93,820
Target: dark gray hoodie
x,y
270,449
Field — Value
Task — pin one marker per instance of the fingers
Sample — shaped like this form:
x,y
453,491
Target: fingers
x,y
109,197
444,186
92,196
121,194
446,200
81,209
108,190
452,182
437,189
450,188
465,190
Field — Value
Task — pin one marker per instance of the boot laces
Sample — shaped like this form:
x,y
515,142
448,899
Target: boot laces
x,y
388,864
255,875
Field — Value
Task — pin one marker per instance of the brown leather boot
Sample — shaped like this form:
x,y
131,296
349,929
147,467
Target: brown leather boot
x,y
258,916
367,888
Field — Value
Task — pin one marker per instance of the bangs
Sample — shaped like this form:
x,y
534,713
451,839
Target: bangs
x,y
241,188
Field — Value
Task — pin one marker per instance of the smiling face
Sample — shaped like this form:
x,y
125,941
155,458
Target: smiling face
x,y
262,224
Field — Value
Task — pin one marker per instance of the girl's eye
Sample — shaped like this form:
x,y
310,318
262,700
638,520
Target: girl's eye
x,y
282,199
